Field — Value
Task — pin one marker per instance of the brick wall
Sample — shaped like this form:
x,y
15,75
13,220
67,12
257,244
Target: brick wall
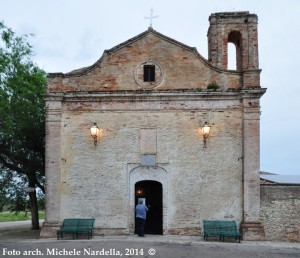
x,y
96,178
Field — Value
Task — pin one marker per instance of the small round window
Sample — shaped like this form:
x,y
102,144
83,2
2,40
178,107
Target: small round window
x,y
148,74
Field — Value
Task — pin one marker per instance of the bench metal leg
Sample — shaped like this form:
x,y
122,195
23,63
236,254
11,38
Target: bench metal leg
x,y
59,234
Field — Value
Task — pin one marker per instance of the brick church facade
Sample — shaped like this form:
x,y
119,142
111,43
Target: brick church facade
x,y
150,96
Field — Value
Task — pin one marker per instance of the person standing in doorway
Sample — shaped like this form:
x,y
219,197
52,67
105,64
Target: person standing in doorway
x,y
140,214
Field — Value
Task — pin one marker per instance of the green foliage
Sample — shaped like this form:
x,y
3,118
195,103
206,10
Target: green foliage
x,y
6,188
22,116
12,194
41,200
213,86
22,120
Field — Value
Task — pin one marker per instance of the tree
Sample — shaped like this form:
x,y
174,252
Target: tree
x,y
11,188
7,187
22,113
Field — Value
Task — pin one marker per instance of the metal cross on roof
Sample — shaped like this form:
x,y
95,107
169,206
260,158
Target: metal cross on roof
x,y
151,17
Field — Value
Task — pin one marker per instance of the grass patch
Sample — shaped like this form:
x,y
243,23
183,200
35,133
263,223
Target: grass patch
x,y
11,216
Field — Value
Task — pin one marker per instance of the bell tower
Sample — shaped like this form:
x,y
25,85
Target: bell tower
x,y
239,28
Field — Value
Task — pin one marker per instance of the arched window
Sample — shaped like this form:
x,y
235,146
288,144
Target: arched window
x,y
231,56
235,37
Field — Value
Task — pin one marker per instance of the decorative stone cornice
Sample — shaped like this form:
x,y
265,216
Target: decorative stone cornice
x,y
254,92
157,95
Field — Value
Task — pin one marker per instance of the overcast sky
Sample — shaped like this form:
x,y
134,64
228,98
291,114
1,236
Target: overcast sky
x,y
70,34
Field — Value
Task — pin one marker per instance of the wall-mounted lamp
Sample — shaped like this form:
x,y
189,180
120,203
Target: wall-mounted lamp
x,y
95,132
139,192
205,130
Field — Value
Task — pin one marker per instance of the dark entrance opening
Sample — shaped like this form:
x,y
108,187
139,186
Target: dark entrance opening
x,y
152,192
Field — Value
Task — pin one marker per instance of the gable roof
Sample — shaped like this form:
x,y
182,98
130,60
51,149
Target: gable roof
x,y
84,70
145,33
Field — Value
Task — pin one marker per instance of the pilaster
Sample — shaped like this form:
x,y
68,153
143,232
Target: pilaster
x,y
53,165
251,226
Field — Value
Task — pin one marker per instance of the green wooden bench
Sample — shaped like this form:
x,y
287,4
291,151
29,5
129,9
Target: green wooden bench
x,y
229,229
221,229
86,226
69,226
211,228
76,226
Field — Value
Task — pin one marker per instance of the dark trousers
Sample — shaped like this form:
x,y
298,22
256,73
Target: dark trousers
x,y
140,226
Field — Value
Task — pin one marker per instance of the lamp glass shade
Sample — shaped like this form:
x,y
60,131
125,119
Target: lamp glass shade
x,y
205,130
94,131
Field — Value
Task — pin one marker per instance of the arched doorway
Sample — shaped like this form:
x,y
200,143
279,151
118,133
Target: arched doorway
x,y
151,191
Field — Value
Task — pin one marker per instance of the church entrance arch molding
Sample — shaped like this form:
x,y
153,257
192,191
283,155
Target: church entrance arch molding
x,y
138,174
